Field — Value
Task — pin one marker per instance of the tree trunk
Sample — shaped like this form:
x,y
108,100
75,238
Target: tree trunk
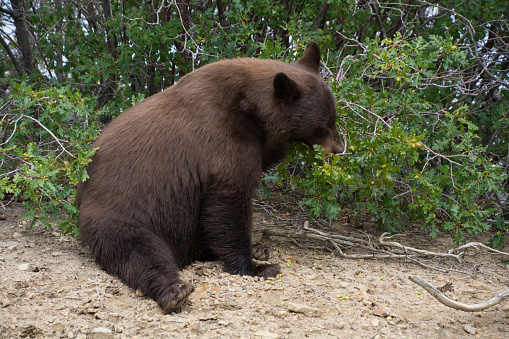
x,y
22,36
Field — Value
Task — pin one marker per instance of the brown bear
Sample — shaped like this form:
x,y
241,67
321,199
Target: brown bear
x,y
173,178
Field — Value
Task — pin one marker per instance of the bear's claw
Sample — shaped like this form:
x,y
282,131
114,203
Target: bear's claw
x,y
175,296
260,252
267,270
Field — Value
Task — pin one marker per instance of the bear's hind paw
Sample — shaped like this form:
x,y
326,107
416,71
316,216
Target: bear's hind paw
x,y
175,296
260,252
267,270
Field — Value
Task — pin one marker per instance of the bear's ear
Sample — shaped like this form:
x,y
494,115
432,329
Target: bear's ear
x,y
285,89
311,57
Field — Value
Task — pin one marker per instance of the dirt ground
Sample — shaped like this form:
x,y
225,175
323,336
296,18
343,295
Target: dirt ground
x,y
50,286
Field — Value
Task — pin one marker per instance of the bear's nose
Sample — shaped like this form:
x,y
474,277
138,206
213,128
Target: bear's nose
x,y
338,148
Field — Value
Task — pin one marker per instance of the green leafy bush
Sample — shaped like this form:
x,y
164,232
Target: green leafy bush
x,y
45,148
409,159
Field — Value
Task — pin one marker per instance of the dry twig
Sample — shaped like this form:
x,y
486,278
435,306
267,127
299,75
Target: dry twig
x,y
454,304
339,243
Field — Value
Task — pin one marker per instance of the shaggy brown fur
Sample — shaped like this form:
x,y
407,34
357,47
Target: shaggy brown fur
x,y
174,175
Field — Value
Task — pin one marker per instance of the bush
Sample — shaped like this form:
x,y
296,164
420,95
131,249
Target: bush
x,y
45,146
410,158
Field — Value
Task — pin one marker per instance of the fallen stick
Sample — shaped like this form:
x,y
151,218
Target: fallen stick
x,y
454,304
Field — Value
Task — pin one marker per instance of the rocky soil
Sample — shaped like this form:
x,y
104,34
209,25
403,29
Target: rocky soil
x,y
51,287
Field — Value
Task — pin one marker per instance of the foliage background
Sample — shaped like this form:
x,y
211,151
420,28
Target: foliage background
x,y
421,88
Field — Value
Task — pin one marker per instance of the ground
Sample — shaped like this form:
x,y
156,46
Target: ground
x,y
50,286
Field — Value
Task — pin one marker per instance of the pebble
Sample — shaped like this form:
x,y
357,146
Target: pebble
x,y
344,284
101,333
5,302
50,319
380,312
24,267
101,330
359,295
16,235
304,309
469,329
265,334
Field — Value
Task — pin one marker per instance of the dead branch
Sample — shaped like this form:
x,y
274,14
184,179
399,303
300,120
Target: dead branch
x,y
416,250
454,304
339,243
475,245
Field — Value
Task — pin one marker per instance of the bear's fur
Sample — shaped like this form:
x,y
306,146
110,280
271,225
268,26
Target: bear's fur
x,y
174,175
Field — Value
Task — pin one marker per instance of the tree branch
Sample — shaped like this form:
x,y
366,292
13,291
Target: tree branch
x,y
454,304
7,49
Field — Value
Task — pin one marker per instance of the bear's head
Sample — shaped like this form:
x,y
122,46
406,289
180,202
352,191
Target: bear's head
x,y
304,97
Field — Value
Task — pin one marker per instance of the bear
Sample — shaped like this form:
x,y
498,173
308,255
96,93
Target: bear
x,y
173,177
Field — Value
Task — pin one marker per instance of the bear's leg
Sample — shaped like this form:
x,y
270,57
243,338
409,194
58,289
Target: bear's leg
x,y
260,252
141,259
225,220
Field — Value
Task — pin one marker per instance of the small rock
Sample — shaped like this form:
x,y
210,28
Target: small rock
x,y
304,309
359,295
139,293
469,329
50,319
344,284
223,323
101,333
56,254
339,325
5,302
208,317
501,329
196,326
380,312
56,234
24,267
265,335
12,248
24,222
16,235
101,330
402,326
375,322
255,322
147,318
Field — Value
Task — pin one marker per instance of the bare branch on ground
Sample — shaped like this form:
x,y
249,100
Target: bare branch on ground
x,y
454,304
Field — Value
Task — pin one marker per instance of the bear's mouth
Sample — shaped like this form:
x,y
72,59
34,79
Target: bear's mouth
x,y
308,144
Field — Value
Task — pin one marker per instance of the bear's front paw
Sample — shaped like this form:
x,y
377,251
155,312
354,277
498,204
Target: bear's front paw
x,y
260,252
175,296
267,270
